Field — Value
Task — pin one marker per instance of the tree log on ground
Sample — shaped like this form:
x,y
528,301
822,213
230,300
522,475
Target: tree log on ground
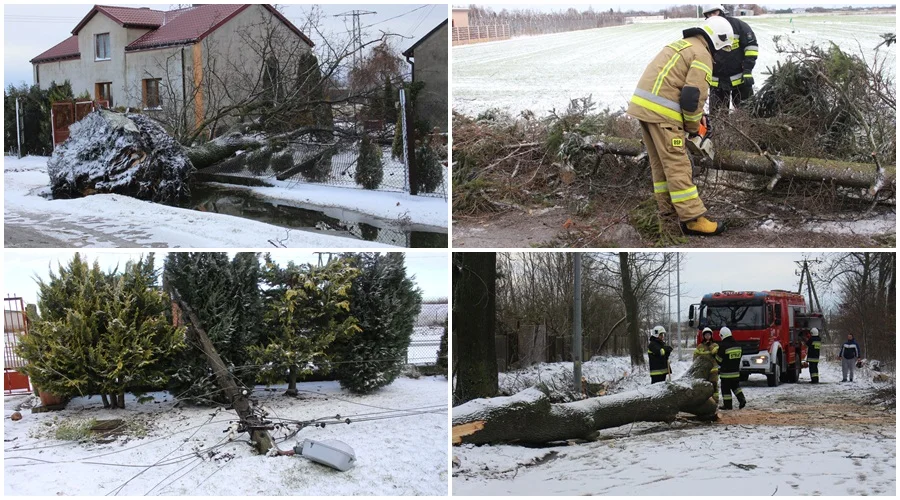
x,y
530,418
842,173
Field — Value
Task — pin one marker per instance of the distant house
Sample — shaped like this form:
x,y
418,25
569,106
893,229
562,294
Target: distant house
x,y
154,59
460,17
428,58
744,12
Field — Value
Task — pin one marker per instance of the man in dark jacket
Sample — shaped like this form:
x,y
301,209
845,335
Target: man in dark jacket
x,y
850,352
732,79
658,353
729,359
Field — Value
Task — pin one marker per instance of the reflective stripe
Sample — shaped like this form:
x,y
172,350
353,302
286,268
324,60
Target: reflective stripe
x,y
679,45
664,371
699,65
694,118
656,108
727,397
815,375
729,375
714,370
684,195
732,350
813,360
737,79
665,72
739,391
751,53
661,187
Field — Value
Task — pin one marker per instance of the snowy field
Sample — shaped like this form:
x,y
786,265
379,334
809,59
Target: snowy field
x,y
544,72
120,221
395,456
795,439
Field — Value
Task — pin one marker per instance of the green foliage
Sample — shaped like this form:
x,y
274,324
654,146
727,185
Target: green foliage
x,y
307,309
100,332
442,355
389,101
226,297
34,109
386,303
648,222
431,171
74,430
369,170
397,145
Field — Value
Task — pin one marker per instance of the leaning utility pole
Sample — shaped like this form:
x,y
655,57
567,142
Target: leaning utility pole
x,y
576,324
253,424
806,274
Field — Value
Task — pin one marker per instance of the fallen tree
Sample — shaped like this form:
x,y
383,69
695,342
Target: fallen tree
x,y
529,417
841,173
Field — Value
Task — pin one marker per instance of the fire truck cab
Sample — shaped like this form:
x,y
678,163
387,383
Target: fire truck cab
x,y
771,328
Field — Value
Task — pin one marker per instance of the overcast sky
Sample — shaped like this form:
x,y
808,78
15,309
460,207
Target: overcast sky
x,y
559,6
430,270
32,29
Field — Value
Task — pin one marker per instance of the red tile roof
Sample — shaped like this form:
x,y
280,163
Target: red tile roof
x,y
174,27
67,49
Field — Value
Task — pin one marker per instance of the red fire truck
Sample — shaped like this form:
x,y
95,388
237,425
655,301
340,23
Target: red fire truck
x,y
770,327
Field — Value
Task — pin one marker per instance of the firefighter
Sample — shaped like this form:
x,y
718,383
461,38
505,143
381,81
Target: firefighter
x,y
849,354
813,347
729,358
658,353
732,78
668,101
709,348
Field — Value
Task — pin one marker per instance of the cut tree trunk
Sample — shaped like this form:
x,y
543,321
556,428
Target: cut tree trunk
x,y
259,435
842,173
530,418
474,322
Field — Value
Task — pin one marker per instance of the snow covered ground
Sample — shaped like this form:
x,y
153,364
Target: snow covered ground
x,y
119,221
795,439
396,456
544,72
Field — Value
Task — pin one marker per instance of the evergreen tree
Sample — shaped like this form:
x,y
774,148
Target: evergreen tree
x,y
307,309
226,297
442,352
431,172
100,333
369,170
389,101
386,303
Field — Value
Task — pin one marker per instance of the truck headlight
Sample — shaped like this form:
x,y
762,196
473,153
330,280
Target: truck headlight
x,y
761,360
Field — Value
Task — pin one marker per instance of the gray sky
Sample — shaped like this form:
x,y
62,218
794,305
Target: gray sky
x,y
430,269
32,29
557,7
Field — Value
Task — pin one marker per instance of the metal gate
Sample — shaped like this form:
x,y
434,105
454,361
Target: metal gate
x,y
15,325
65,113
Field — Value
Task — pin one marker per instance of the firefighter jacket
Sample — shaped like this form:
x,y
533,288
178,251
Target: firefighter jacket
x,y
658,354
704,349
674,87
813,346
732,68
850,350
729,358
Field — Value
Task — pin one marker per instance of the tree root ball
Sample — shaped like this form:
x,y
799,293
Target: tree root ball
x,y
127,154
16,416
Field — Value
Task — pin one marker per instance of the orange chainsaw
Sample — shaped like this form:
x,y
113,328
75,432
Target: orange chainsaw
x,y
700,144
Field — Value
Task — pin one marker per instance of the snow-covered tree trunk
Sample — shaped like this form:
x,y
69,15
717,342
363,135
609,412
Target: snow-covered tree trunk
x,y
530,417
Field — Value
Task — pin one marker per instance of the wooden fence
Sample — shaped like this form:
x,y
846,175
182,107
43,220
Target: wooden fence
x,y
477,34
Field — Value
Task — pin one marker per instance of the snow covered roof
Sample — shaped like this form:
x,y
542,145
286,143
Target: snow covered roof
x,y
174,27
67,49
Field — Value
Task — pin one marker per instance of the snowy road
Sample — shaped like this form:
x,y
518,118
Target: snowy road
x,y
396,456
544,72
796,439
33,220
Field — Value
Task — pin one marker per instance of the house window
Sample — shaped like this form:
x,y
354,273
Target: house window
x,y
103,92
151,94
101,47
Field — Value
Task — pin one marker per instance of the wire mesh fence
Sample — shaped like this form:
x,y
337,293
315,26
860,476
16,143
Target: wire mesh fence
x,y
425,344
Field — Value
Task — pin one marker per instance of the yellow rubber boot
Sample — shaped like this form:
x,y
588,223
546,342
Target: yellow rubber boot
x,y
701,226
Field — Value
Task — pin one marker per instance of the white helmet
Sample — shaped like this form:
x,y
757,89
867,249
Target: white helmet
x,y
814,332
720,32
657,331
706,330
712,8
725,332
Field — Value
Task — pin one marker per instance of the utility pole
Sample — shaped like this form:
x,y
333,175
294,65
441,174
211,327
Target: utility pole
x,y
257,427
576,324
356,31
18,129
678,301
805,273
321,254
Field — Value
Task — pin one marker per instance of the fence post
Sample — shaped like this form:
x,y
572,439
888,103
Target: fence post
x,y
18,130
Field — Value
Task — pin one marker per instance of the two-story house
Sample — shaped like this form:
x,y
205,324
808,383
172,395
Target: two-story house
x,y
182,61
428,58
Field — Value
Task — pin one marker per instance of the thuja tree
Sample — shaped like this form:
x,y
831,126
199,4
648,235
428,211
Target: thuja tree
x,y
101,332
226,297
369,169
386,303
307,309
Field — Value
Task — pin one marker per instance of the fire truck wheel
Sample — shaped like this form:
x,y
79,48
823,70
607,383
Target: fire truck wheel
x,y
775,378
